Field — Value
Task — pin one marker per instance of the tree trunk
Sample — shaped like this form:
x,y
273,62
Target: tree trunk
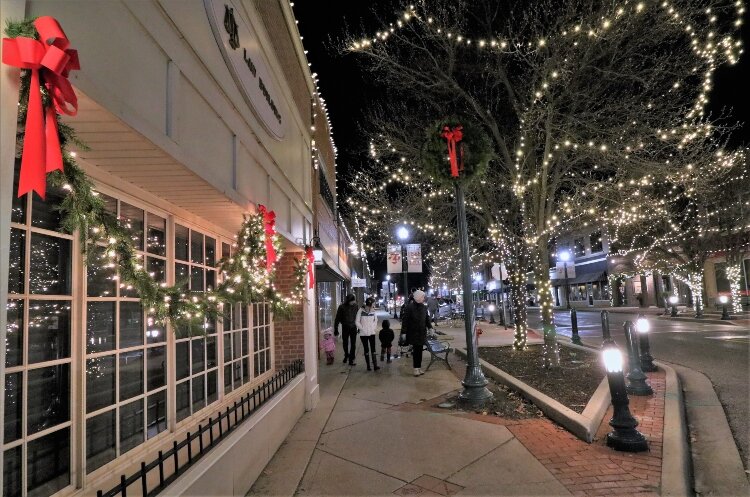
x,y
695,283
518,300
550,351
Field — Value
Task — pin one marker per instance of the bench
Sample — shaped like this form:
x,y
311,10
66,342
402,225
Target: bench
x,y
438,351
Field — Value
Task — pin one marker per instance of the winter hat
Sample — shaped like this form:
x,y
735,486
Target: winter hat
x,y
419,296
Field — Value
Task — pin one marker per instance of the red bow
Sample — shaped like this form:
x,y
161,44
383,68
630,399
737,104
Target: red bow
x,y
51,56
454,135
310,254
269,226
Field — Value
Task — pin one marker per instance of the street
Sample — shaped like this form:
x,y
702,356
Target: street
x,y
719,351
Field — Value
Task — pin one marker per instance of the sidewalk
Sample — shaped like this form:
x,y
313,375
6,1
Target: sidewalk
x,y
379,433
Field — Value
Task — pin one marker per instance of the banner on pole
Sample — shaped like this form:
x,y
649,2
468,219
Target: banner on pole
x,y
499,272
560,269
359,283
394,259
414,257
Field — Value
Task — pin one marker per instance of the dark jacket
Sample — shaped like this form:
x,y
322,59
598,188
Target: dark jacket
x,y
415,321
386,337
346,314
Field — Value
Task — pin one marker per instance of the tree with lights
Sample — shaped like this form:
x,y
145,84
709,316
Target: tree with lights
x,y
573,95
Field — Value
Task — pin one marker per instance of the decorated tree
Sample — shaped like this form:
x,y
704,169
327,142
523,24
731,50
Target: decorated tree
x,y
572,94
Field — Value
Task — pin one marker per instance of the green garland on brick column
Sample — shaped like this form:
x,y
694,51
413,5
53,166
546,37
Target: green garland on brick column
x,y
246,278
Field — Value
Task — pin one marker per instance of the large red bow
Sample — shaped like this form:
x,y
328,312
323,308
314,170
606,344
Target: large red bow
x,y
52,57
453,136
269,226
310,254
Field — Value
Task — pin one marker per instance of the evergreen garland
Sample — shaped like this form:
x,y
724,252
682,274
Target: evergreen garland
x,y
246,278
475,145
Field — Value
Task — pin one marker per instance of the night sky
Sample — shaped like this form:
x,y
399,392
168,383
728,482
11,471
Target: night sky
x,y
343,82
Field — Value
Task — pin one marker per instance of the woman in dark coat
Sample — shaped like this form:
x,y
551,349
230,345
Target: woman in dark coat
x,y
415,321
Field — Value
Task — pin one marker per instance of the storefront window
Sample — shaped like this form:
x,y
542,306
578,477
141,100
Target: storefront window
x,y
579,249
596,242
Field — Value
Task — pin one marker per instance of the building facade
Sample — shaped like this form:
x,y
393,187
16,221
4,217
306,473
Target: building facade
x,y
195,113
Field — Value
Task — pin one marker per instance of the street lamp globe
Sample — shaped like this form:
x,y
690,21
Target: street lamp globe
x,y
491,308
674,299
612,359
387,277
402,233
564,256
642,325
723,299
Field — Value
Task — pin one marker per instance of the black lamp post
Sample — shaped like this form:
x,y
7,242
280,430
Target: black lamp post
x,y
606,336
642,326
403,235
475,392
574,336
724,312
565,257
637,384
491,308
624,436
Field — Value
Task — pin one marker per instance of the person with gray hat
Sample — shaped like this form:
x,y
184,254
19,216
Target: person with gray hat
x,y
416,321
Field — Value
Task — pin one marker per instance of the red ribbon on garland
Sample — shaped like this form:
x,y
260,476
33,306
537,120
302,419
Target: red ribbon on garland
x,y
53,60
310,255
454,136
269,226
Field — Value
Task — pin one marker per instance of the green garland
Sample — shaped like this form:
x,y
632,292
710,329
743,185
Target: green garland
x,y
476,145
246,278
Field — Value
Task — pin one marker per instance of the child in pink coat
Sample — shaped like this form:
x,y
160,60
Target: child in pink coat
x,y
328,344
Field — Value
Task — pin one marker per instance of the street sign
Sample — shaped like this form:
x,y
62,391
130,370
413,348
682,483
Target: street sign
x,y
414,257
394,259
359,283
560,271
499,272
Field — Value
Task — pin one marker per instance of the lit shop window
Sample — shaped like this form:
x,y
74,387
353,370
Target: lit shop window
x,y
126,359
37,426
196,354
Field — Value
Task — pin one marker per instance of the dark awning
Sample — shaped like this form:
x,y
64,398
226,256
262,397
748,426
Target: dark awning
x,y
324,274
584,278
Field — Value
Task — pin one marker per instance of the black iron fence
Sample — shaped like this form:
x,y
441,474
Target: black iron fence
x,y
206,437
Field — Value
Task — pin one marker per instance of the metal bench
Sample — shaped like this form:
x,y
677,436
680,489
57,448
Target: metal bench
x,y
438,350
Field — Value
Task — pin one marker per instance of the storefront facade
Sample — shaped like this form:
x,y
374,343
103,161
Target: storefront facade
x,y
195,113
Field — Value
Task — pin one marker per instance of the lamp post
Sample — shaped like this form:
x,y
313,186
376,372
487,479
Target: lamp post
x,y
574,336
491,308
475,392
606,336
724,312
403,235
565,257
642,326
624,436
388,283
637,384
673,300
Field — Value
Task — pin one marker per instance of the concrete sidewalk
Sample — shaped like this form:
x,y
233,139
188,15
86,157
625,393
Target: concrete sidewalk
x,y
379,433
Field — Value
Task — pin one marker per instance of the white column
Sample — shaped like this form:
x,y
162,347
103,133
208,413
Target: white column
x,y
309,317
9,82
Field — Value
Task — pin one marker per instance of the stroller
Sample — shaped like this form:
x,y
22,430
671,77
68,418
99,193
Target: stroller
x,y
404,349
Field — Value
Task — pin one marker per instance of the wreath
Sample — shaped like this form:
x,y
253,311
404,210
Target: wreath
x,y
250,272
456,150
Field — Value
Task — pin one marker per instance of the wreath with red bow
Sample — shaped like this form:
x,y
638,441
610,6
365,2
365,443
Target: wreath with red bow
x,y
456,150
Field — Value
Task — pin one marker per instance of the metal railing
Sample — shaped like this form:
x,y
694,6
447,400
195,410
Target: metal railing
x,y
226,421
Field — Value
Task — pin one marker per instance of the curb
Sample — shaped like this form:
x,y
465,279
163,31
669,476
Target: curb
x,y
583,426
675,464
699,320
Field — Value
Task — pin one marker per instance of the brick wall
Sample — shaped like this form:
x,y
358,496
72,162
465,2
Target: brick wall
x,y
289,334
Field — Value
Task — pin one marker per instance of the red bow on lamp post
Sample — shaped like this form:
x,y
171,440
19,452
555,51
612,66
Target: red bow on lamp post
x,y
269,226
52,60
310,254
454,136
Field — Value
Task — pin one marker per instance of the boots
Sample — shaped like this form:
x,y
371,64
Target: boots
x,y
367,360
375,362
389,355
382,356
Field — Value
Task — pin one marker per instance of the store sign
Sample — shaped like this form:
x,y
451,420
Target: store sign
x,y
394,259
414,257
560,271
240,46
359,283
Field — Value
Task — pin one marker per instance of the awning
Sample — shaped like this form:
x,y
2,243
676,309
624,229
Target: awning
x,y
324,274
583,278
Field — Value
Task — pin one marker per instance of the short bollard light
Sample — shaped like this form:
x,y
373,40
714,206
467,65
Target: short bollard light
x,y
624,436
606,336
574,336
643,327
637,384
491,308
673,301
723,299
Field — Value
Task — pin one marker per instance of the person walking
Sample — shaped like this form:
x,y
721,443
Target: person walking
x,y
328,344
432,307
386,337
346,315
367,324
416,322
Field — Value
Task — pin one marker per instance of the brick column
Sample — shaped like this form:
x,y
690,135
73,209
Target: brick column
x,y
289,333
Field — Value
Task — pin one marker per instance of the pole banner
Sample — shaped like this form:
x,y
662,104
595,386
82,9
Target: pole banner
x,y
414,257
394,259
